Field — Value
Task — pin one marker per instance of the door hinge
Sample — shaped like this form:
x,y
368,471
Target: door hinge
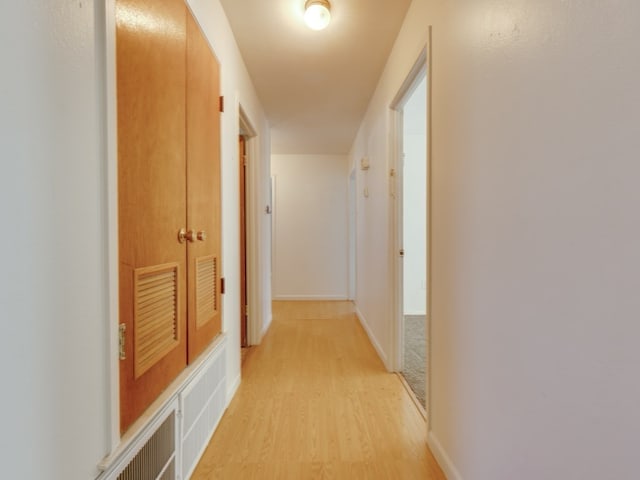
x,y
221,103
222,286
245,310
121,339
402,252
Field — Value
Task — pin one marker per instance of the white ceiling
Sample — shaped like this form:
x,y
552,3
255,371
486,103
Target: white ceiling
x,y
315,86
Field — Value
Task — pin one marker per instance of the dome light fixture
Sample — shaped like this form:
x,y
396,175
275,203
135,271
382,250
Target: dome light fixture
x,y
317,14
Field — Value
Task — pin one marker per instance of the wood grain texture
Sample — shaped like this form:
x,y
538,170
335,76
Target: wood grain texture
x,y
155,315
242,169
206,289
151,176
316,403
203,178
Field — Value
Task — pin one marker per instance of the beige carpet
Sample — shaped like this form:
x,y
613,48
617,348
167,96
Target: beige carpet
x,y
415,345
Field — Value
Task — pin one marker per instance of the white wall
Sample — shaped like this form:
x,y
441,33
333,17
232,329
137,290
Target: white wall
x,y
311,235
53,355
54,197
414,219
535,256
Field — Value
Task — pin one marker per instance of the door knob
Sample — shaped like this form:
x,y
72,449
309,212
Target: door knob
x,y
191,236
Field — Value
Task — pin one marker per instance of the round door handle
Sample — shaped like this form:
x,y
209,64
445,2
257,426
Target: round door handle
x,y
191,236
201,235
182,235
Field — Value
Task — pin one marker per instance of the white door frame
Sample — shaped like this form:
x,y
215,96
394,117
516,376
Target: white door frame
x,y
396,188
254,322
420,69
352,281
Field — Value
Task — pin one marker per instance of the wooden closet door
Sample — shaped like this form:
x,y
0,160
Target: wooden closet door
x,y
150,39
203,191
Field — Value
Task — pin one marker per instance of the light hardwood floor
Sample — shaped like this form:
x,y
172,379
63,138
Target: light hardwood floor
x,y
316,403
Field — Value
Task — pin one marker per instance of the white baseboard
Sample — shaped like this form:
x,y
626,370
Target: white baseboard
x,y
267,325
315,298
449,469
232,389
373,339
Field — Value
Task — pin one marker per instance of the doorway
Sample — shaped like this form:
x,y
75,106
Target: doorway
x,y
249,315
411,194
242,167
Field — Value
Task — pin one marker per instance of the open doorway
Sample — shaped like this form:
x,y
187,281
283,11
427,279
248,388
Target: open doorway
x,y
414,234
411,232
249,322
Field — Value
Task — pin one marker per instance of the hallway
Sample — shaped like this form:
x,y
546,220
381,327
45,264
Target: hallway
x,y
316,402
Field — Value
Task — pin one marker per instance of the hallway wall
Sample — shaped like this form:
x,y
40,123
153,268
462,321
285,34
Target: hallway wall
x,y
535,134
55,305
311,232
53,298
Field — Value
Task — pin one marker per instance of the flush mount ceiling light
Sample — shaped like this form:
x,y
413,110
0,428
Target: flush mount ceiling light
x,y
317,14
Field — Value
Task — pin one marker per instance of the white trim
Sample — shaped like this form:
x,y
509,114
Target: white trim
x,y
429,75
254,231
396,240
163,402
252,199
203,448
420,69
111,168
352,202
203,374
254,253
274,227
327,298
440,454
247,128
124,455
267,325
414,314
412,79
232,389
373,339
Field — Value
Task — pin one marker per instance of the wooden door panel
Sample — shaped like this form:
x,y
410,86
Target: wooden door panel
x,y
155,315
242,155
206,293
150,52
203,190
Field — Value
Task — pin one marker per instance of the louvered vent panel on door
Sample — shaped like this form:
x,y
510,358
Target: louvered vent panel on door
x,y
155,315
206,292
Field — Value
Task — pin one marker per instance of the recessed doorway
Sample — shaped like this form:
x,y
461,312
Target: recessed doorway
x,y
242,156
411,174
248,318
